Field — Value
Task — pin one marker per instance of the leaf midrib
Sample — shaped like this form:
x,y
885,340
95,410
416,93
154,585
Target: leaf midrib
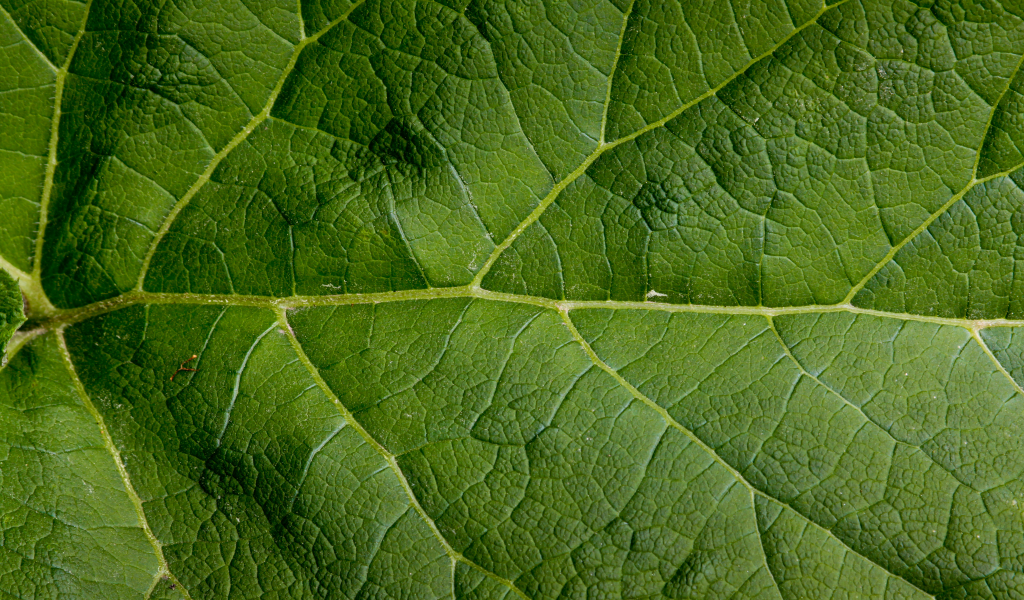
x,y
31,282
76,315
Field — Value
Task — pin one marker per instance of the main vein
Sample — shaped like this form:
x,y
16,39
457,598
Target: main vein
x,y
133,298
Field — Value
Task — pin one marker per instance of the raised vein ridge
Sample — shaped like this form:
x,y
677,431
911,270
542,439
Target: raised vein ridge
x,y
51,167
387,456
235,141
89,311
695,439
605,146
954,199
165,571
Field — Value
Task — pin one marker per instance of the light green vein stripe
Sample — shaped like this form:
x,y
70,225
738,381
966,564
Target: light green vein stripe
x,y
133,298
386,455
605,146
699,442
165,570
235,141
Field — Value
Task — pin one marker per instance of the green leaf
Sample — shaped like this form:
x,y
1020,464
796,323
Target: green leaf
x,y
69,523
486,299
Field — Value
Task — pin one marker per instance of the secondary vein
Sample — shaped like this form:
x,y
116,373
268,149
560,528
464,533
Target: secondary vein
x,y
672,422
605,146
390,458
241,136
954,199
611,74
108,441
41,301
35,48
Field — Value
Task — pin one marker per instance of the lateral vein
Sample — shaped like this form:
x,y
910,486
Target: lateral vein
x,y
42,301
32,45
390,458
240,137
699,442
605,146
954,199
108,441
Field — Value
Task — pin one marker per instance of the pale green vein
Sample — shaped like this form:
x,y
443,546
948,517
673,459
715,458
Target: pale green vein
x,y
651,403
133,298
999,365
240,137
163,578
670,420
534,215
713,91
152,587
22,277
17,342
992,114
844,544
42,303
956,197
455,564
799,365
165,570
35,48
605,146
392,461
921,228
881,426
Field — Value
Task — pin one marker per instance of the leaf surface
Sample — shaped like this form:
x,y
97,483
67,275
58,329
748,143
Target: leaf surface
x,y
473,299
